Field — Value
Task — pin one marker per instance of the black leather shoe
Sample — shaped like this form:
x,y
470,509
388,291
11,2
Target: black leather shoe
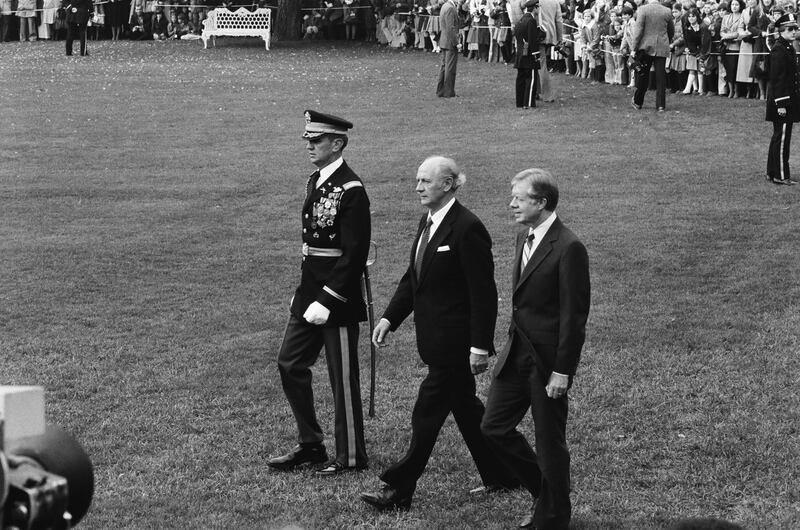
x,y
336,468
300,455
387,498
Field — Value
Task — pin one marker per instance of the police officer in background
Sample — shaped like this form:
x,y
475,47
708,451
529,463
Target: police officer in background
x,y
78,14
328,305
783,99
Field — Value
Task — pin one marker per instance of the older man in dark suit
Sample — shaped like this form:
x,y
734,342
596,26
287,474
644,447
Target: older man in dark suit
x,y
449,286
550,297
652,33
448,42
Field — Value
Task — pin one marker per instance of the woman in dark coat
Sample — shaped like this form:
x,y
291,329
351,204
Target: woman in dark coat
x,y
783,100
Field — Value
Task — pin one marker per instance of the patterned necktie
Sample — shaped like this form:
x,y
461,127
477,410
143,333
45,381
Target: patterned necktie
x,y
423,242
526,250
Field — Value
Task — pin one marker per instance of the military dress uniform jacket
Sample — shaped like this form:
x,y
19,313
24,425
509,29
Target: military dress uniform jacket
x,y
529,35
78,12
336,240
783,89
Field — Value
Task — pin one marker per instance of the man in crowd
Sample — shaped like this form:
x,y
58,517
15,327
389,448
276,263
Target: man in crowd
x,y
78,14
448,42
652,34
327,306
449,286
550,306
550,21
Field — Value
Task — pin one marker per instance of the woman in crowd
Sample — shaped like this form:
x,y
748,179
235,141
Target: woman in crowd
x,y
432,25
47,23
745,63
115,17
478,37
677,59
26,13
731,38
757,27
502,31
350,19
693,37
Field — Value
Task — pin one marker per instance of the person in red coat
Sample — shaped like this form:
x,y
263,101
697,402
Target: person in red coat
x,y
783,100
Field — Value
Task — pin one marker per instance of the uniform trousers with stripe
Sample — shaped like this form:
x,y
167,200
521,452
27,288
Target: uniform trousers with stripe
x,y
778,154
527,85
302,344
444,390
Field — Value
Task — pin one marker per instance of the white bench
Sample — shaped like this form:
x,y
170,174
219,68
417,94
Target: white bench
x,y
240,23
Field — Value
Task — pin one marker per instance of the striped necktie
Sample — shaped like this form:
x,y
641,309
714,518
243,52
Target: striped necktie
x,y
423,242
527,250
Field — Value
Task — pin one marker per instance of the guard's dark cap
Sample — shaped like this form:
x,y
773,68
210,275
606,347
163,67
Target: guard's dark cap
x,y
318,124
531,4
787,20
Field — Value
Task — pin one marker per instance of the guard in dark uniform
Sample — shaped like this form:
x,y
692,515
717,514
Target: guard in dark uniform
x,y
783,99
328,305
77,18
527,61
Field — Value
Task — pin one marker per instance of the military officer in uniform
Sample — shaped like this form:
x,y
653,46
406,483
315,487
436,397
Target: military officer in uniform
x,y
328,305
527,61
78,15
783,99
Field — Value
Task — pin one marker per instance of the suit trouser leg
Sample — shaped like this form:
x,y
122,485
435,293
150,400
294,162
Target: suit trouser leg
x,y
545,87
442,68
468,410
70,37
430,410
451,60
523,86
661,81
302,343
82,35
508,402
642,78
554,509
341,351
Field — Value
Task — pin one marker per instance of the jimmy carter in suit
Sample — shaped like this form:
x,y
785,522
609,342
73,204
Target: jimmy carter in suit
x,y
550,305
327,305
652,33
449,286
448,42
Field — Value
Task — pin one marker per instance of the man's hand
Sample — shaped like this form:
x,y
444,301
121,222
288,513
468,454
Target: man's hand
x,y
317,314
478,362
557,386
380,332
782,111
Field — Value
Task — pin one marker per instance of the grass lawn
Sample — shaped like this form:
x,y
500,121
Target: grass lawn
x,y
149,232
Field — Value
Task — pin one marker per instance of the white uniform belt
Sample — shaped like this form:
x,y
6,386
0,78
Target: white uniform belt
x,y
324,252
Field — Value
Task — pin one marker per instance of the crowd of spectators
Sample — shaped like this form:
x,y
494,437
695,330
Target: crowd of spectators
x,y
719,47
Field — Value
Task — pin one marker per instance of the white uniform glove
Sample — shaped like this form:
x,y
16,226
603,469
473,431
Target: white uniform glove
x,y
317,314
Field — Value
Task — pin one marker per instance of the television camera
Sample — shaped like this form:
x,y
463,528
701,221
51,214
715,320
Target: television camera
x,y
46,478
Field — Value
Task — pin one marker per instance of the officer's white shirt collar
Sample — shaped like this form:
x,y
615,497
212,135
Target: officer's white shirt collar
x,y
327,171
436,219
540,231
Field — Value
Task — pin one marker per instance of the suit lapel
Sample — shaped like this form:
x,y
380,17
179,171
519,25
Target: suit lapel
x,y
441,233
541,251
515,272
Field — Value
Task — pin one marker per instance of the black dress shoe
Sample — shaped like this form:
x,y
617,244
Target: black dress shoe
x,y
300,455
337,468
388,498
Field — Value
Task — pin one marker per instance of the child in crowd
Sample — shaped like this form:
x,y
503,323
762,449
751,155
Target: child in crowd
x,y
160,26
598,32
615,43
311,23
693,36
580,44
588,32
627,44
608,53
676,62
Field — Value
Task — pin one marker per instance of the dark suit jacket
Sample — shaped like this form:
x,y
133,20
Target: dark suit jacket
x,y
335,216
448,25
653,30
455,300
550,301
78,12
529,35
